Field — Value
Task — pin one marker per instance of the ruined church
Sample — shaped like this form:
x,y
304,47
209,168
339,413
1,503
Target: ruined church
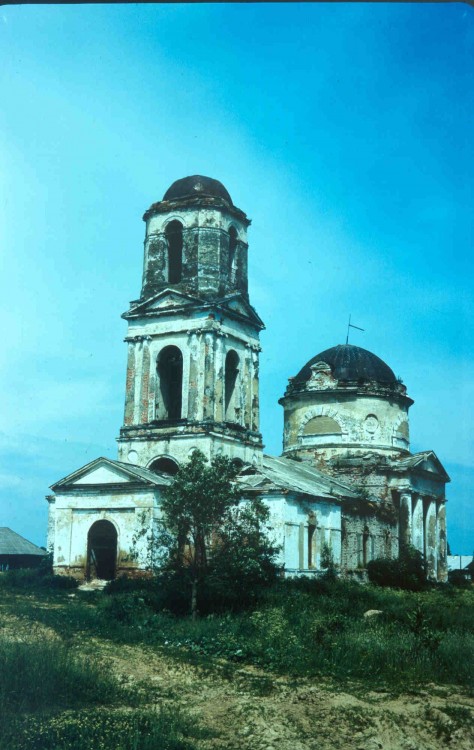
x,y
346,481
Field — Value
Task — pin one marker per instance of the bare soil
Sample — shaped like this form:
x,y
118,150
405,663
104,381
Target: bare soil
x,y
252,709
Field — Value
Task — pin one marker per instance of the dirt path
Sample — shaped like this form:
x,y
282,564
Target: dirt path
x,y
250,709
253,710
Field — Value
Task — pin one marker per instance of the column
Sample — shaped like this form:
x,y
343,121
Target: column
x,y
255,398
130,385
144,384
442,543
417,523
405,520
219,367
193,390
431,550
208,396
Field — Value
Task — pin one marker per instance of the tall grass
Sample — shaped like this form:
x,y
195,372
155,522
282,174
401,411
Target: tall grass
x,y
95,729
41,674
302,627
41,681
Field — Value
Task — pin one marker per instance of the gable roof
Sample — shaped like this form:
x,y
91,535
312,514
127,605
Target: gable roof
x,y
167,300
292,476
426,462
12,543
122,472
173,302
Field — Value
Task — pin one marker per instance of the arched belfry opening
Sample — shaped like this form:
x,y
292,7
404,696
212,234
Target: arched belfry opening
x,y
102,550
232,254
174,237
170,373
164,465
230,382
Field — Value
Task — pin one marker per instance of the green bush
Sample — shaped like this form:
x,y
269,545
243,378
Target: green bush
x,y
36,578
407,572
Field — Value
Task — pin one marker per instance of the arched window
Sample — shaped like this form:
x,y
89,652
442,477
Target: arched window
x,y
174,236
231,372
322,426
164,465
170,373
232,250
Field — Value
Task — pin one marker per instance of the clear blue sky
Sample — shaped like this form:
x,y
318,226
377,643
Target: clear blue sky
x,y
343,130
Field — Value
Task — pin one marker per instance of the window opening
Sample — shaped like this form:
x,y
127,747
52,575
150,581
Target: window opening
x,y
311,545
231,372
174,236
170,372
232,251
164,465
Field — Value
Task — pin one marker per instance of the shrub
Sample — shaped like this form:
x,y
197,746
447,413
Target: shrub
x,y
407,572
36,578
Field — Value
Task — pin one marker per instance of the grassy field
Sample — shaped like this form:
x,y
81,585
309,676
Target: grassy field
x,y
58,692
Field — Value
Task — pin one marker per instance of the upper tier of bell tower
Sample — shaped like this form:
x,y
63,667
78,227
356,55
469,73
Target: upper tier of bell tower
x,y
193,337
195,241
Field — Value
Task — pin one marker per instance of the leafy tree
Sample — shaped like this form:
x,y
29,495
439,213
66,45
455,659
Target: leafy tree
x,y
210,537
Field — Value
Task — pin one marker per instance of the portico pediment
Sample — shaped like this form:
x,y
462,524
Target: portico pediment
x,y
425,462
104,471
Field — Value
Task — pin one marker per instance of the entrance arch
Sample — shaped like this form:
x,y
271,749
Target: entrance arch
x,y
102,550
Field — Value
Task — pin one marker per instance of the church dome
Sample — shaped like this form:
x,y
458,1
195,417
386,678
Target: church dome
x,y
197,185
349,362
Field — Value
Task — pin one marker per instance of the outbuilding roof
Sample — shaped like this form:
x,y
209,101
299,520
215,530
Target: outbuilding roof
x,y
12,543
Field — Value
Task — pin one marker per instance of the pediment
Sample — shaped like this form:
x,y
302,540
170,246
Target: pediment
x,y
238,305
165,300
104,471
429,463
103,475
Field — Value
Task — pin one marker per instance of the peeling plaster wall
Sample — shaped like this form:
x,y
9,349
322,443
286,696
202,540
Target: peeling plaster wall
x,y
366,422
290,518
205,251
75,513
204,343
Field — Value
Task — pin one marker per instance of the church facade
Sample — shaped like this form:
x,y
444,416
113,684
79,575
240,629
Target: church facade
x,y
346,484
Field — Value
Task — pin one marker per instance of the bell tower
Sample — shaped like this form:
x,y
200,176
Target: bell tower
x,y
193,337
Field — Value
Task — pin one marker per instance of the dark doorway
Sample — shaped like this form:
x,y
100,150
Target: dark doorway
x,y
102,550
170,371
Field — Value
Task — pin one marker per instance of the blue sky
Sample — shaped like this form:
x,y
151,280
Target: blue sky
x,y
343,130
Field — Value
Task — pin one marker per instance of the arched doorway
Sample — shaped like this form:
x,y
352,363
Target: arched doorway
x,y
102,550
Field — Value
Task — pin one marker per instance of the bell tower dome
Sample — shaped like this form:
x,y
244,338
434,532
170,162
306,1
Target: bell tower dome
x,y
193,337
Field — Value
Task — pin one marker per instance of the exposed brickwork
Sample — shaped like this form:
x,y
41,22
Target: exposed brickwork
x,y
130,386
144,387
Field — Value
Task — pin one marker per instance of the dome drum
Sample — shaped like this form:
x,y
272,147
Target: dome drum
x,y
344,399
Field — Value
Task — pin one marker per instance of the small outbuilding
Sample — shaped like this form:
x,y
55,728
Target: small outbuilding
x,y
18,552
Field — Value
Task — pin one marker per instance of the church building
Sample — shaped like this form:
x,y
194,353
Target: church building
x,y
346,483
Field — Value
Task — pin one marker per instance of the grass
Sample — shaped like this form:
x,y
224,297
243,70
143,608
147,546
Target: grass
x,y
302,628
51,698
